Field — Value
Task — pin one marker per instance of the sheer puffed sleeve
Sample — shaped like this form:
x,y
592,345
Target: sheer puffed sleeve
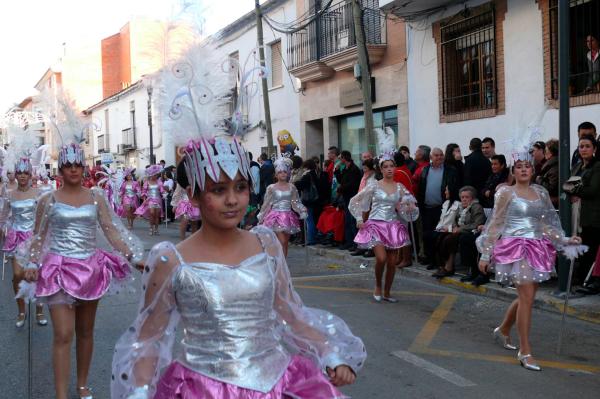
x,y
147,346
361,202
407,206
266,205
34,249
550,220
297,205
178,195
315,333
120,238
495,224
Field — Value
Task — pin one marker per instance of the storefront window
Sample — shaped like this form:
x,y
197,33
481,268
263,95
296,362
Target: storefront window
x,y
352,130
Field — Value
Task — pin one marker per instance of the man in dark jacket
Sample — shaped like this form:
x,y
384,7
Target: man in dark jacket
x,y
349,181
267,174
430,197
477,167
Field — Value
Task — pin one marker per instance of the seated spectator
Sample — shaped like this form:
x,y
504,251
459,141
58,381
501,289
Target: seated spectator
x,y
445,226
470,217
500,174
331,225
548,176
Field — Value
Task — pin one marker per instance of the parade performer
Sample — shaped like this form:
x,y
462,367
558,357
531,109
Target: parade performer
x,y
130,192
153,194
282,209
381,230
110,181
45,186
519,242
247,333
17,220
70,271
185,211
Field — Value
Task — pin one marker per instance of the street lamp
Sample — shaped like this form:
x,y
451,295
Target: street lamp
x,y
149,89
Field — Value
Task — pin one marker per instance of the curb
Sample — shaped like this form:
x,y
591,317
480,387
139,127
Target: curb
x,y
544,301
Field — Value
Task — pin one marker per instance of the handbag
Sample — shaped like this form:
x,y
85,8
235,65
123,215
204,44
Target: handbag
x,y
572,185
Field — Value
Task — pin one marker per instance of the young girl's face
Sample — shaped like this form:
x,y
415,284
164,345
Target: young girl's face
x,y
23,179
387,169
72,174
282,176
223,204
523,171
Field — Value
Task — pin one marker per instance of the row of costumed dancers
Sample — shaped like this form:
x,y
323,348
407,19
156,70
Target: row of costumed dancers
x,y
224,292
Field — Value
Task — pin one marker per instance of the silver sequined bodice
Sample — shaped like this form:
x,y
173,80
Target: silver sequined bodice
x,y
129,191
153,191
45,188
23,212
72,230
523,218
282,200
383,205
229,322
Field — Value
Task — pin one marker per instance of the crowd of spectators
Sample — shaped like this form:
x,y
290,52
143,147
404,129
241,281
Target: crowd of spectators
x,y
455,195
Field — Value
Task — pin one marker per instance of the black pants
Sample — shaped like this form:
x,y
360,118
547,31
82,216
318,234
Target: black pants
x,y
590,236
468,252
430,217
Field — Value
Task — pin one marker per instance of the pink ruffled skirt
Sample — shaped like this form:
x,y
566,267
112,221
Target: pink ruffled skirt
x,y
187,210
302,379
82,279
523,260
15,238
392,235
150,203
127,202
282,221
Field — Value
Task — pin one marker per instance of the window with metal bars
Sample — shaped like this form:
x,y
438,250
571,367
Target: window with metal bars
x,y
584,41
468,57
276,65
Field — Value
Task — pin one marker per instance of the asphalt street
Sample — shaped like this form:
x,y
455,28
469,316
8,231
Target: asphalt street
x,y
434,343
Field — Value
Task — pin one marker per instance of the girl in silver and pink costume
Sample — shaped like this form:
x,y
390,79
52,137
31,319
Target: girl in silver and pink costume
x,y
153,194
282,209
130,193
70,270
185,211
17,220
247,333
520,242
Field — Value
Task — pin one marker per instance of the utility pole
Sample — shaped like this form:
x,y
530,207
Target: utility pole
x,y
149,89
265,88
564,152
365,75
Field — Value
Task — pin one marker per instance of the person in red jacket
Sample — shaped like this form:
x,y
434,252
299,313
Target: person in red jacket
x,y
422,156
402,175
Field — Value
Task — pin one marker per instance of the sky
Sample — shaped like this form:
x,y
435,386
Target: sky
x,y
32,32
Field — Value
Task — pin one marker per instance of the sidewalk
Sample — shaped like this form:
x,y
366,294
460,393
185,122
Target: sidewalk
x,y
585,308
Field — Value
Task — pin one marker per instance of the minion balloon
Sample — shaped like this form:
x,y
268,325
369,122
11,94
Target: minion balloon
x,y
286,142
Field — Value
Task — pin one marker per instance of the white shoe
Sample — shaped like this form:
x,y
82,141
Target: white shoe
x,y
21,317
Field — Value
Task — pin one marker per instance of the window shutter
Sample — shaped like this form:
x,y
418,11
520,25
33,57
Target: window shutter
x,y
276,65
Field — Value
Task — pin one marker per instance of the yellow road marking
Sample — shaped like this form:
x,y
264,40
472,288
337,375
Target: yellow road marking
x,y
430,329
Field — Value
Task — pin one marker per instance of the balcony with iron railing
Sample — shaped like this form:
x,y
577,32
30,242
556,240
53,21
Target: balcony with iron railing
x,y
328,43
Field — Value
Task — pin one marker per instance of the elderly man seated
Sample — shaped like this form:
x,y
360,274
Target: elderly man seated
x,y
469,217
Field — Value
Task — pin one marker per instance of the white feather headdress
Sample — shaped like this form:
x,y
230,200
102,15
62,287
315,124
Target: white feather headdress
x,y
524,137
386,144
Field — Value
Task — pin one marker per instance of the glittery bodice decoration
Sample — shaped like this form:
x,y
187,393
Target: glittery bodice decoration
x,y
230,329
153,191
129,191
73,230
383,205
23,214
523,218
282,200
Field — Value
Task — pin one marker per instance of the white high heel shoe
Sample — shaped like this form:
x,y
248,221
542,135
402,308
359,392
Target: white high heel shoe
x,y
504,340
87,396
21,321
527,363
